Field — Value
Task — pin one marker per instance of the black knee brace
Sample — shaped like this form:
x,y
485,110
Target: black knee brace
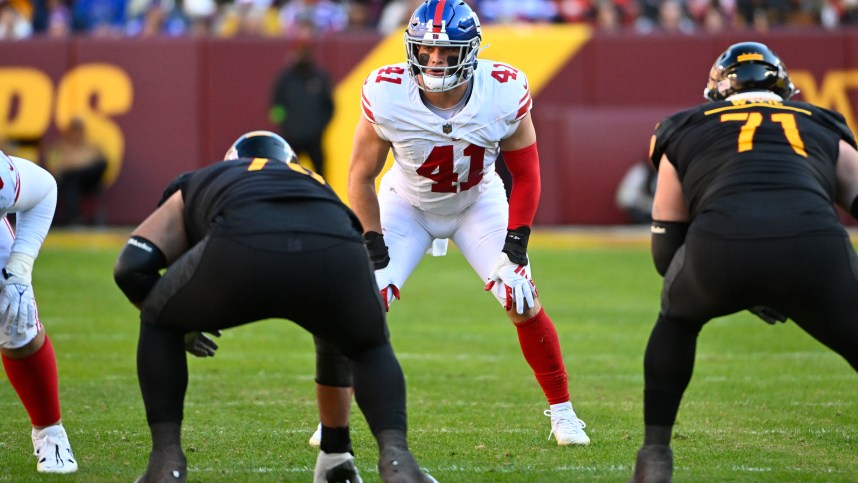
x,y
138,268
332,367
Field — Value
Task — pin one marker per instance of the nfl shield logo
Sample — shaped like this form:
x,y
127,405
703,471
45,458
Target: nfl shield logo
x,y
447,128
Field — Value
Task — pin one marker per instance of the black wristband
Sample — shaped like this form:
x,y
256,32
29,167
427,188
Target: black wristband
x,y
667,237
376,248
515,245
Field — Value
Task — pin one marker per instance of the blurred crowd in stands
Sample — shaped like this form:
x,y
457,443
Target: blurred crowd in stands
x,y
20,19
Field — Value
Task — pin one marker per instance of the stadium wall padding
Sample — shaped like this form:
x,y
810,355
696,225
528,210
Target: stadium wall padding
x,y
162,106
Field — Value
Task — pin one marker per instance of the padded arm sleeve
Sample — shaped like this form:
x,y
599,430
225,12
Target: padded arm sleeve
x,y
138,268
667,237
34,208
523,166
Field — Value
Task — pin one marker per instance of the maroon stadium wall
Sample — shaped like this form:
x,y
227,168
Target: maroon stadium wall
x,y
162,106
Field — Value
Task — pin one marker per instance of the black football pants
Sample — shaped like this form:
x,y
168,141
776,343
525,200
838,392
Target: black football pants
x,y
813,280
324,284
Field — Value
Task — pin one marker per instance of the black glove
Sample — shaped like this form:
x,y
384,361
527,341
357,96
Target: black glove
x,y
199,345
376,248
768,315
515,245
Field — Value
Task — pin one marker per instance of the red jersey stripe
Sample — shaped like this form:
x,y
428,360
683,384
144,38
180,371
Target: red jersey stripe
x,y
524,108
365,106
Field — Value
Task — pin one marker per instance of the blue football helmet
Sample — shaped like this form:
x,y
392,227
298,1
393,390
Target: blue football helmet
x,y
746,67
261,144
443,23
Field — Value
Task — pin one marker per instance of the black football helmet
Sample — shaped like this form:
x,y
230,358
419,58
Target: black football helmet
x,y
748,66
261,144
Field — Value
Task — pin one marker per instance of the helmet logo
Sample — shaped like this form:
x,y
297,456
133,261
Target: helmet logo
x,y
751,56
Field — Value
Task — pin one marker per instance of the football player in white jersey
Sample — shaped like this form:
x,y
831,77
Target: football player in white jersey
x,y
28,356
447,116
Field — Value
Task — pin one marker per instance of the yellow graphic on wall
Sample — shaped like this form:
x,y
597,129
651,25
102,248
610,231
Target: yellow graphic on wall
x,y
540,51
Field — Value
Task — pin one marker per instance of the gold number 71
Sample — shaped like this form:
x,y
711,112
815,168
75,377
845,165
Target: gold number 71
x,y
753,121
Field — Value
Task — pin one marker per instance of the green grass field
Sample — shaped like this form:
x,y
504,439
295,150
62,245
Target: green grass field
x,y
766,403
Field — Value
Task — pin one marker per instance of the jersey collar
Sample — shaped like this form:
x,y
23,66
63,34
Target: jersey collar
x,y
766,95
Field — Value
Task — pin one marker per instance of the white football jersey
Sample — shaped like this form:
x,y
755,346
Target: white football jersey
x,y
30,191
441,166
10,184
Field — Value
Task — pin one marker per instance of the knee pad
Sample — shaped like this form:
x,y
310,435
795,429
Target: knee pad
x,y
332,367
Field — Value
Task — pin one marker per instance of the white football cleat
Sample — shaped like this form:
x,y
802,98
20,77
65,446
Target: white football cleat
x,y
565,425
316,438
336,467
53,451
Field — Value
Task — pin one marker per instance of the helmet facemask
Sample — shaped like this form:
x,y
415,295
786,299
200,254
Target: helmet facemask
x,y
444,24
459,68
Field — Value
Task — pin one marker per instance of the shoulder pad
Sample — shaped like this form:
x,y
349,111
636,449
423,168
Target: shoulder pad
x,y
382,84
836,122
507,85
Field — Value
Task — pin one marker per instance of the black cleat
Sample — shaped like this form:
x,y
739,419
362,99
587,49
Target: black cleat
x,y
165,468
399,466
654,464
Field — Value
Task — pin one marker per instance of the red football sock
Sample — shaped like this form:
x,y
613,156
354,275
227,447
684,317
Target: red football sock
x,y
541,349
35,380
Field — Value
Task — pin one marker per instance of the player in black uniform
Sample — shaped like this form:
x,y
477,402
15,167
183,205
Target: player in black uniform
x,y
255,237
744,219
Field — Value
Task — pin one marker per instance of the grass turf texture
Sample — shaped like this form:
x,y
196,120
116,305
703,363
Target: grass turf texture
x,y
765,404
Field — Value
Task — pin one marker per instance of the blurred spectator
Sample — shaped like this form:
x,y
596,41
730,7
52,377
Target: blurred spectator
x,y
849,12
607,16
358,16
201,16
762,14
52,18
250,18
635,192
78,166
671,18
59,19
302,18
302,105
99,18
151,18
14,21
575,11
395,15
802,13
511,11
829,15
